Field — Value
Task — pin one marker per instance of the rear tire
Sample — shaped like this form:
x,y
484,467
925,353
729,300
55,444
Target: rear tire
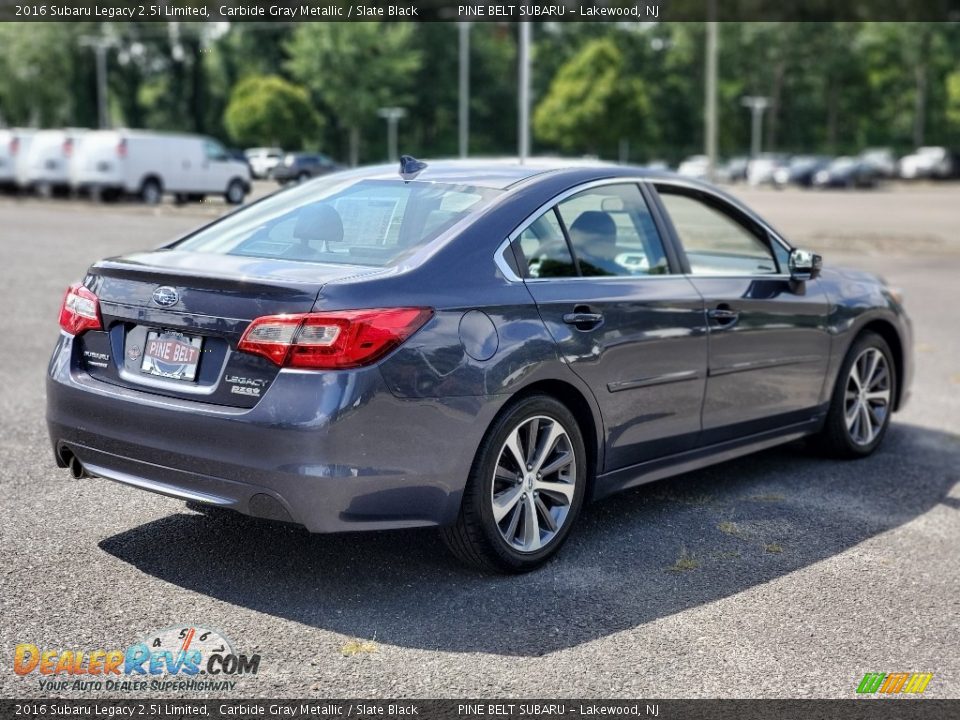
x,y
513,517
862,400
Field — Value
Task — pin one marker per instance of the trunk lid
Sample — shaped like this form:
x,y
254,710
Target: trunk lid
x,y
172,320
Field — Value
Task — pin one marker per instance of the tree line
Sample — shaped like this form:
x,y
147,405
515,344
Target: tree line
x,y
612,90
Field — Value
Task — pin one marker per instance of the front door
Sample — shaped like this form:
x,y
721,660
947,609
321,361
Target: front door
x,y
630,327
768,339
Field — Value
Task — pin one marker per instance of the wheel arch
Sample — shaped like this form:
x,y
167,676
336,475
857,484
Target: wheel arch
x,y
587,417
148,177
888,332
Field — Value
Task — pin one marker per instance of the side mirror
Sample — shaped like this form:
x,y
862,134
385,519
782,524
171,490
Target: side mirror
x,y
804,265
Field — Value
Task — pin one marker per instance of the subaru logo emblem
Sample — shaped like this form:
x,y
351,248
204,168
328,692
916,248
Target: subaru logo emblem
x,y
166,296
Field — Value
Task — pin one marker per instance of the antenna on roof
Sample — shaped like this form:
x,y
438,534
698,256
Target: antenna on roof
x,y
410,167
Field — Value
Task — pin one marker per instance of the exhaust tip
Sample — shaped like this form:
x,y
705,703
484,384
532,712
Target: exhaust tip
x,y
76,469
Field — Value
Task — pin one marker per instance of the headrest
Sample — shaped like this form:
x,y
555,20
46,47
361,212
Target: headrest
x,y
597,224
319,223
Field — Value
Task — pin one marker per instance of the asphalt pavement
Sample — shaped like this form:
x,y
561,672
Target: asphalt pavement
x,y
778,575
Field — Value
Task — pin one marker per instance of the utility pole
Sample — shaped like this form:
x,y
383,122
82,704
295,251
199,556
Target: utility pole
x,y
392,115
100,45
710,98
464,28
523,141
757,106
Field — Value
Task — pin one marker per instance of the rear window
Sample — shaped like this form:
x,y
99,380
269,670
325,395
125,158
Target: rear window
x,y
344,221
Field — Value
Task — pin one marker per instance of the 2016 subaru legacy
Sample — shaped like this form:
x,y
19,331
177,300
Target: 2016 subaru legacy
x,y
481,347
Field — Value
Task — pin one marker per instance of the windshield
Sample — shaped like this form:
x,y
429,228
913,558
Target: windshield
x,y
343,219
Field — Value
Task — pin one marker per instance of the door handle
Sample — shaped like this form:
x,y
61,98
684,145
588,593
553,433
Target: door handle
x,y
723,315
583,317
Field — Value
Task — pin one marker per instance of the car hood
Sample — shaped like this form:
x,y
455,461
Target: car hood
x,y
849,274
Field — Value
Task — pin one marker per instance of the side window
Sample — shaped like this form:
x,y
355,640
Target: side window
x,y
716,243
214,150
545,248
612,233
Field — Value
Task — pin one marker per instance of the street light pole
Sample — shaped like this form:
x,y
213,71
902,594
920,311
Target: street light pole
x,y
710,99
524,84
464,129
757,105
392,115
100,46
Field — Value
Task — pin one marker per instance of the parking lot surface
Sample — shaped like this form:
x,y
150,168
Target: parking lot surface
x,y
778,575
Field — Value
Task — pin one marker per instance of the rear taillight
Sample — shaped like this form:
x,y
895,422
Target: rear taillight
x,y
122,148
67,147
80,310
332,340
14,146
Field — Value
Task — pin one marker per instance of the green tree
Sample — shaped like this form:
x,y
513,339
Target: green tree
x,y
354,69
37,64
268,110
953,103
593,103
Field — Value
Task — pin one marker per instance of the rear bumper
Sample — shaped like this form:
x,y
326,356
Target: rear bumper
x,y
330,451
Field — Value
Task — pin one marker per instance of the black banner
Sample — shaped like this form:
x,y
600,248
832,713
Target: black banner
x,y
478,10
861,709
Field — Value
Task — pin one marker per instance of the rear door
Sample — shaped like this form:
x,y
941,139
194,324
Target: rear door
x,y
629,325
768,338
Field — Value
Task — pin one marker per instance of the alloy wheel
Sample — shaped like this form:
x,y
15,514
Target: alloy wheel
x,y
534,483
867,396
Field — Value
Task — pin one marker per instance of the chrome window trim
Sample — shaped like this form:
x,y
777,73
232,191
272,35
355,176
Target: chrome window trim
x,y
556,200
512,276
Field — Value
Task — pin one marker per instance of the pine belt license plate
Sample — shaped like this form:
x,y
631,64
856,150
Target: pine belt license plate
x,y
171,354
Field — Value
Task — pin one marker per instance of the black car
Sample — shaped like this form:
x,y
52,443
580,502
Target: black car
x,y
846,172
800,171
297,167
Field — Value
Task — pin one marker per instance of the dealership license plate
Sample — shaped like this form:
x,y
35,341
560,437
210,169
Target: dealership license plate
x,y
171,355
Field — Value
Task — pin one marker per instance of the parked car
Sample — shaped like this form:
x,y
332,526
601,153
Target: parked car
x,y
657,164
297,167
478,346
46,164
882,160
927,162
846,172
696,166
763,168
14,147
800,170
733,170
151,164
263,161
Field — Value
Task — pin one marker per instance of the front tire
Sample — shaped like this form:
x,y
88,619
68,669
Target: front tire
x,y
236,192
524,491
151,192
862,401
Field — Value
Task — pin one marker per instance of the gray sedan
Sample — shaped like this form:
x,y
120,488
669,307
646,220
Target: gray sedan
x,y
481,347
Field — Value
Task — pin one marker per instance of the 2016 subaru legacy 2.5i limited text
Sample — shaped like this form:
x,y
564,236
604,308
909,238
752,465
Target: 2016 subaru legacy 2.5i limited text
x,y
481,347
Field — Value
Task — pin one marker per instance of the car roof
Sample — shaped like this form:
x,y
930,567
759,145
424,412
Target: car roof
x,y
504,173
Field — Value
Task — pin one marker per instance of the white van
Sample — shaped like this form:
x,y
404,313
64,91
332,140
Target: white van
x,y
46,163
263,160
14,148
150,164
